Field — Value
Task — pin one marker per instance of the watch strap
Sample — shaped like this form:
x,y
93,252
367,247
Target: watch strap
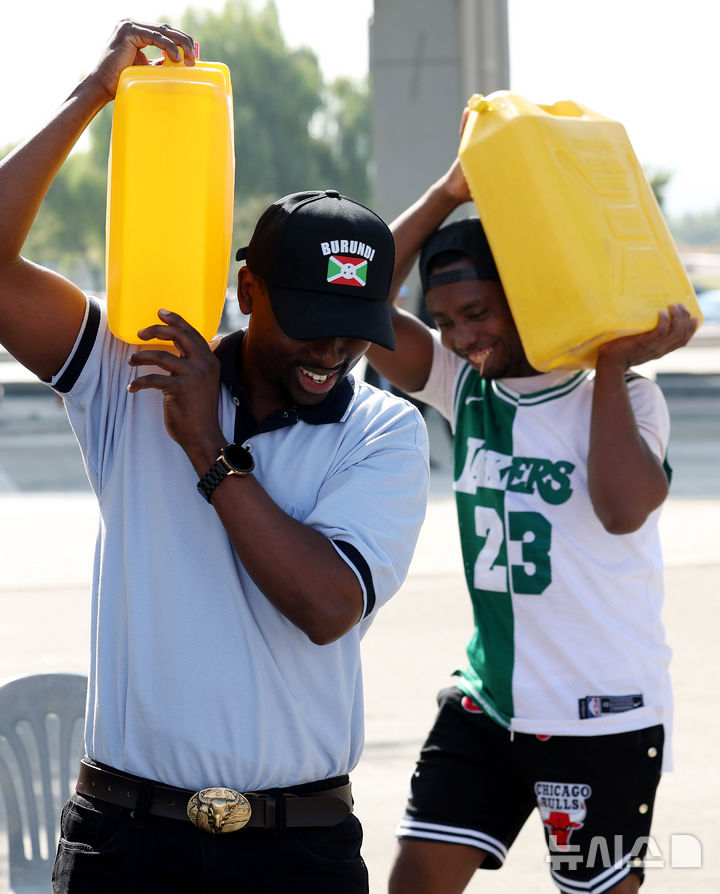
x,y
236,461
210,480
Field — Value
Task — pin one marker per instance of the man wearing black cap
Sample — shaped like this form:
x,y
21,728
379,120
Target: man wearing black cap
x,y
258,506
564,704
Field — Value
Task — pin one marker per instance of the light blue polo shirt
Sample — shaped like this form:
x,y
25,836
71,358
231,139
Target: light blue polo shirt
x,y
195,678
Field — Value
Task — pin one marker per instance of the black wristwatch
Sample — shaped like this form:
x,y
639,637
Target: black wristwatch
x,y
233,460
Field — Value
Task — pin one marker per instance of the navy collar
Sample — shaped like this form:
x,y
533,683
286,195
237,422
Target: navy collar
x,y
332,409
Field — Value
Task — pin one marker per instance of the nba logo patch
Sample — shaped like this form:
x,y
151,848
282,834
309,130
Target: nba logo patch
x,y
598,705
346,271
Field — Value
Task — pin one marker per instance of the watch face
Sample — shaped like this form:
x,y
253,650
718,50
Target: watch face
x,y
239,459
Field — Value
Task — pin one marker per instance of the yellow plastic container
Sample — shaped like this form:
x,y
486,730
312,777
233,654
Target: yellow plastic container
x,y
170,196
580,243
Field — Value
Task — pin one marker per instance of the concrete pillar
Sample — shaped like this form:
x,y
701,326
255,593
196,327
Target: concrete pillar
x,y
426,58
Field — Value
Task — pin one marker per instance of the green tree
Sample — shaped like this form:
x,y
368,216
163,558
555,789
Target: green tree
x,y
275,94
291,133
699,230
659,181
344,125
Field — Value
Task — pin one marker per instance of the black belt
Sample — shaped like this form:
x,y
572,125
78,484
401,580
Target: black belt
x,y
219,809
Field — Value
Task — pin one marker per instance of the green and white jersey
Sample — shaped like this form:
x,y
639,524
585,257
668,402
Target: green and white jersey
x,y
568,633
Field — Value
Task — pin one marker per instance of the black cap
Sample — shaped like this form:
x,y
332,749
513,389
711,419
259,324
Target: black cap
x,y
466,236
327,261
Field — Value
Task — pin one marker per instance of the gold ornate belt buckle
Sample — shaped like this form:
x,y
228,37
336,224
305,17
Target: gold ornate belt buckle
x,y
219,810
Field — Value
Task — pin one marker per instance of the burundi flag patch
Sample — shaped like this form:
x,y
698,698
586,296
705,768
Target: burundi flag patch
x,y
346,271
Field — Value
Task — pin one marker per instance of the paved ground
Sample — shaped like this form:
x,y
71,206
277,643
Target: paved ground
x,y
47,525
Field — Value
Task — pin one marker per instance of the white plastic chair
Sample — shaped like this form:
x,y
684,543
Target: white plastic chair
x,y
41,720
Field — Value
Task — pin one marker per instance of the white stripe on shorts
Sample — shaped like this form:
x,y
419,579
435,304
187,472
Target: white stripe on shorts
x,y
413,828
603,881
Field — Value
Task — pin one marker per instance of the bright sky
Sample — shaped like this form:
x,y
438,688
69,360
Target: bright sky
x,y
654,65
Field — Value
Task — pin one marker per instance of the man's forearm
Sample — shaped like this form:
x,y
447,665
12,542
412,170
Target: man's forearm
x,y
27,173
295,566
625,478
417,223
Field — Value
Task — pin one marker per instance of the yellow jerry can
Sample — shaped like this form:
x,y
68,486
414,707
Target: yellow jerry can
x,y
579,240
170,196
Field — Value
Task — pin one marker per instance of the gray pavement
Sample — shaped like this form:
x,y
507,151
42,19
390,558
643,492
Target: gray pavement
x,y
47,526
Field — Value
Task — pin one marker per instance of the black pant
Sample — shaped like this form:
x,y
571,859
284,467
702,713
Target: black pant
x,y
109,849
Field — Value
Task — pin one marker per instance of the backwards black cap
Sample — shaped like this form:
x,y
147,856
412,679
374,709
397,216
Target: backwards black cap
x,y
466,236
327,261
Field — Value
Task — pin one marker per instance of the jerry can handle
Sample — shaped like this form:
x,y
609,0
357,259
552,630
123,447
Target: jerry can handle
x,y
565,108
478,103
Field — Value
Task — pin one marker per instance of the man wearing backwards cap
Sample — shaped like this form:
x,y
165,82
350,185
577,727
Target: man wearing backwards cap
x,y
564,702
258,506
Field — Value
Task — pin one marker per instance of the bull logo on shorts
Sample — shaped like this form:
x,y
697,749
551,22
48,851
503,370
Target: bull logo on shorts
x,y
561,826
563,808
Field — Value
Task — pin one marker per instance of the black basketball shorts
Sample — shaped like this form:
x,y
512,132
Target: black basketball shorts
x,y
476,784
